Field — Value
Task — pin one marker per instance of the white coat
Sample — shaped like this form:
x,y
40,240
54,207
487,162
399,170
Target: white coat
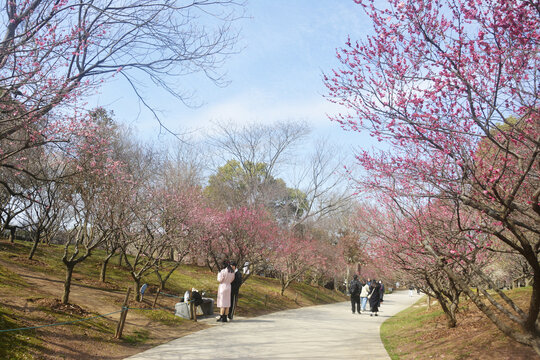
x,y
225,278
365,291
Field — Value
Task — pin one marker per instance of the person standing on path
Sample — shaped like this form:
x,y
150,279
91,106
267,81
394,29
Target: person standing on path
x,y
374,297
225,277
235,288
363,296
381,291
354,289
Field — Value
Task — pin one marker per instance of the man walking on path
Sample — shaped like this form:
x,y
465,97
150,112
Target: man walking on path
x,y
235,288
313,332
354,289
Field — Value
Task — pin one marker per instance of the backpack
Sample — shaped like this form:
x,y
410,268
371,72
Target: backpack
x,y
197,298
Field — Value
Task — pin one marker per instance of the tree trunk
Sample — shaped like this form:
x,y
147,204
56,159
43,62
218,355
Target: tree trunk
x,y
103,271
137,284
282,283
12,230
534,306
536,345
67,283
522,335
449,312
34,246
347,279
245,277
163,279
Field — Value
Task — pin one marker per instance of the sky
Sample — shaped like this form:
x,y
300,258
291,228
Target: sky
x,y
284,48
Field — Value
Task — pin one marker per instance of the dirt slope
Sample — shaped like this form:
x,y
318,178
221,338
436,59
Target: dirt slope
x,y
62,342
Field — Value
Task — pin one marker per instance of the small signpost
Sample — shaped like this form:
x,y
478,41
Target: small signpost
x,y
143,289
155,299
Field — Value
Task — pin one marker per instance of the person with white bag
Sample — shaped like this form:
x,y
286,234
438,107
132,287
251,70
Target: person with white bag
x,y
363,296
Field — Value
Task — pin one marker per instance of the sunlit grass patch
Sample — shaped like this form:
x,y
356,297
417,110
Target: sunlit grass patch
x,y
16,345
137,337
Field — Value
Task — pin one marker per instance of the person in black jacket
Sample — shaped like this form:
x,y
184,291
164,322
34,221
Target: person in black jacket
x,y
235,288
354,289
374,297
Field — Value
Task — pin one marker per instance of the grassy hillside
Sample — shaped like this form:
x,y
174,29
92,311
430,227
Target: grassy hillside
x,y
30,292
421,333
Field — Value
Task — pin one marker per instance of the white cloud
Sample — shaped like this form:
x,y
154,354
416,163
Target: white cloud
x,y
257,106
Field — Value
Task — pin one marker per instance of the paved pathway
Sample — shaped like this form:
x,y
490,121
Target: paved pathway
x,y
316,332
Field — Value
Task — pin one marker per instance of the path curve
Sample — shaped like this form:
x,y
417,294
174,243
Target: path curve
x,y
316,332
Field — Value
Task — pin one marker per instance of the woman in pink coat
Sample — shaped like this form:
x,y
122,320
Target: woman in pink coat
x,y
225,277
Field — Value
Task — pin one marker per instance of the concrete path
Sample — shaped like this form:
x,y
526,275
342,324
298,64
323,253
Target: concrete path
x,y
317,332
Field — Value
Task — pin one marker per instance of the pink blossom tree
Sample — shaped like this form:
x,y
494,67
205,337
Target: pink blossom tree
x,y
53,53
114,215
143,246
245,235
451,88
84,197
179,214
343,244
294,257
398,240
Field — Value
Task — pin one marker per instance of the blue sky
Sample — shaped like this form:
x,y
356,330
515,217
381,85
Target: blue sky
x,y
285,45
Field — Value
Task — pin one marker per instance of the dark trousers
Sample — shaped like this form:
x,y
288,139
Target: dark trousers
x,y
234,302
355,300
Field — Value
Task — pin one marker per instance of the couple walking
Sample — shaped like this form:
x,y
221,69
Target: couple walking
x,y
229,279
362,292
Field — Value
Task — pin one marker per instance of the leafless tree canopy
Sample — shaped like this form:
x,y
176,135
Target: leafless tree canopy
x,y
54,52
257,143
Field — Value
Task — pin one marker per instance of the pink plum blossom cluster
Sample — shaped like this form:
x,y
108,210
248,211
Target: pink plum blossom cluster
x,y
451,89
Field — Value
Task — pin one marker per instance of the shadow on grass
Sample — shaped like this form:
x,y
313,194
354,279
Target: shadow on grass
x,y
16,344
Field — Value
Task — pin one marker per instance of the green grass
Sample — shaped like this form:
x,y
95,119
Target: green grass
x,y
258,296
138,337
421,333
399,330
24,344
163,316
252,294
10,280
16,345
48,259
79,324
